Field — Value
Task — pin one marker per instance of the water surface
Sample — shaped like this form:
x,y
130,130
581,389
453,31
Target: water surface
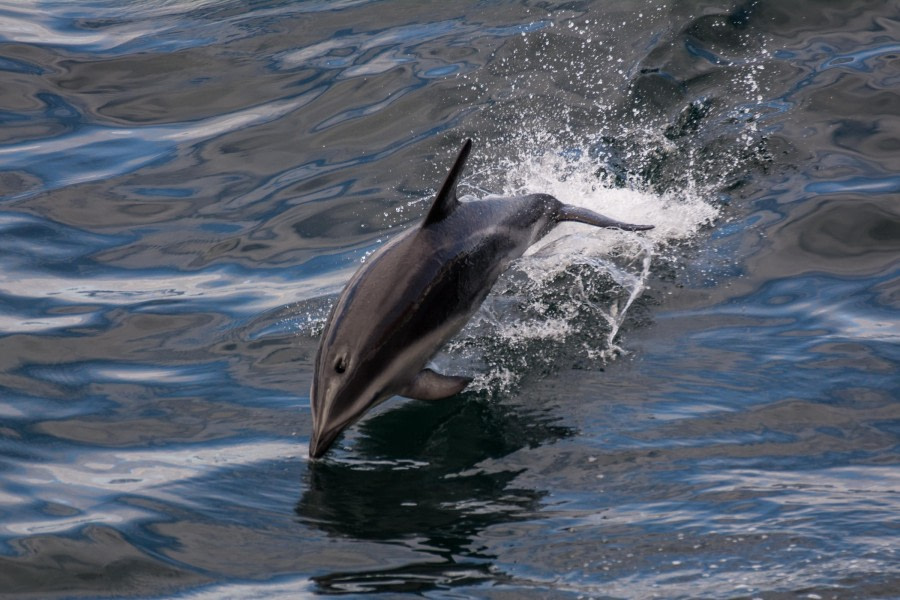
x,y
709,410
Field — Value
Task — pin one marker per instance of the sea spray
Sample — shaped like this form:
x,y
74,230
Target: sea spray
x,y
566,301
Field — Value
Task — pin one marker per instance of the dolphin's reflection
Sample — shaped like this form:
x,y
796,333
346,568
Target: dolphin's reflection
x,y
414,479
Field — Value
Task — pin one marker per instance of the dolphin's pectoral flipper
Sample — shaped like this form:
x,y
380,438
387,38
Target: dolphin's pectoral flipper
x,y
429,385
583,215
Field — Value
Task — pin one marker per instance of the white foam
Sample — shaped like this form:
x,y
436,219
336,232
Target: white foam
x,y
571,176
576,255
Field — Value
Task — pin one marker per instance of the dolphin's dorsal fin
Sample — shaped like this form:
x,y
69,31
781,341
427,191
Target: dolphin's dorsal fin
x,y
446,201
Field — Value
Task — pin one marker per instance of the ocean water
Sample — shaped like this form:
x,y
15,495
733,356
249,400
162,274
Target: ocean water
x,y
707,410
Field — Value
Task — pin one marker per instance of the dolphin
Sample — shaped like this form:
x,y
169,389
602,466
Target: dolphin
x,y
418,291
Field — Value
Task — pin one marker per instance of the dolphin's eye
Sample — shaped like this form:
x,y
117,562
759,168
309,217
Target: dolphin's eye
x,y
340,365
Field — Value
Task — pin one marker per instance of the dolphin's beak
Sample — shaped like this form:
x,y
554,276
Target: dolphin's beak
x,y
324,430
322,440
333,412
327,428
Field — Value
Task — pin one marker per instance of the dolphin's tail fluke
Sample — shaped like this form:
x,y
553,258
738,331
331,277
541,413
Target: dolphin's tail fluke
x,y
582,215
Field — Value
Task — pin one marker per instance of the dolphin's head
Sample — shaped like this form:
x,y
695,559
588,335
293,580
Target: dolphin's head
x,y
358,359
342,391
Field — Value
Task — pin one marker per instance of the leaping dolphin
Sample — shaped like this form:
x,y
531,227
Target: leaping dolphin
x,y
418,291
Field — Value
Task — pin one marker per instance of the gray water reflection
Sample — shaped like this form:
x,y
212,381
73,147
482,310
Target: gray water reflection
x,y
186,185
425,488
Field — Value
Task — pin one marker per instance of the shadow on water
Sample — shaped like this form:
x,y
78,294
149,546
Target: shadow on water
x,y
419,482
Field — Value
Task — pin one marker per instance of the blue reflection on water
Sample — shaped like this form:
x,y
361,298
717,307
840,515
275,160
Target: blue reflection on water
x,y
155,394
865,185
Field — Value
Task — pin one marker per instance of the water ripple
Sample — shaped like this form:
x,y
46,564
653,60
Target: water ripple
x,y
95,152
371,53
187,183
86,481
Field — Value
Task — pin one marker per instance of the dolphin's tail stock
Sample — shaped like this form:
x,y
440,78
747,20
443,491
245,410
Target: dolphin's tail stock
x,y
567,212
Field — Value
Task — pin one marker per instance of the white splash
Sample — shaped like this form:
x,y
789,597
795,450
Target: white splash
x,y
602,271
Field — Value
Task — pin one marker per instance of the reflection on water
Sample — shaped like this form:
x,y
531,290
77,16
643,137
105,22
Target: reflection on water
x,y
422,486
706,410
